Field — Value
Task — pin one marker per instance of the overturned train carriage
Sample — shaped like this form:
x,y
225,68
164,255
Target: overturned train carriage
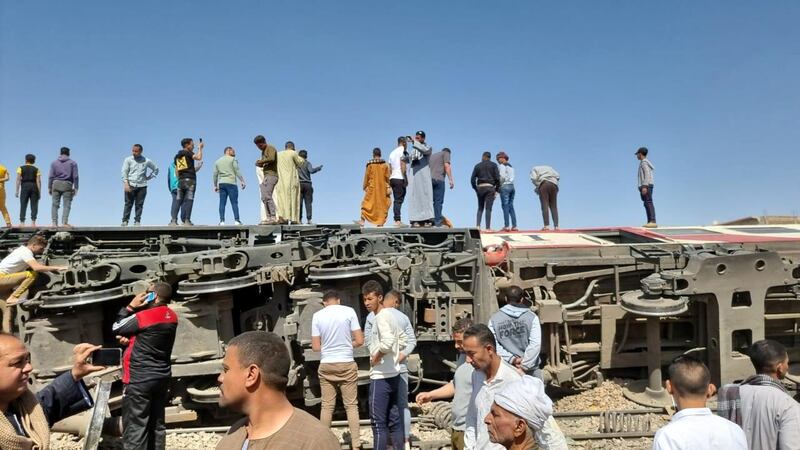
x,y
230,280
611,301
627,301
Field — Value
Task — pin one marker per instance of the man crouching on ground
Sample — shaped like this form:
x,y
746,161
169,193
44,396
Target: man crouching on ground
x,y
253,381
27,417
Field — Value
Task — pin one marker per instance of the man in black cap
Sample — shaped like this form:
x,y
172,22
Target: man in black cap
x,y
646,186
420,187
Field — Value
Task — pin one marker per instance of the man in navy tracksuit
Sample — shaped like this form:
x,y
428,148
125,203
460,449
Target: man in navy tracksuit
x,y
518,333
147,326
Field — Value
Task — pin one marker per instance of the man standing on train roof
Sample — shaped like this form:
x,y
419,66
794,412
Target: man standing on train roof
x,y
134,183
304,172
187,179
440,168
226,175
172,185
646,170
288,190
4,176
29,188
420,187
485,180
269,165
398,160
518,333
62,184
376,186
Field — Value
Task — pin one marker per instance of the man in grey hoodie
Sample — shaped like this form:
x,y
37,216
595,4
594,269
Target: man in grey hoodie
x,y
646,186
518,333
62,183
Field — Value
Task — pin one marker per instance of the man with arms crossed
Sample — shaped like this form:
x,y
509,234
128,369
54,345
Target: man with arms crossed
x,y
334,333
255,372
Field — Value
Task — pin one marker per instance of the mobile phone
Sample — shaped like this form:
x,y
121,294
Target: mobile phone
x,y
150,297
201,139
106,357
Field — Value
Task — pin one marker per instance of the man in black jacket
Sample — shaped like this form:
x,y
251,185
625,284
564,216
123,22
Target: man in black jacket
x,y
27,417
147,326
485,180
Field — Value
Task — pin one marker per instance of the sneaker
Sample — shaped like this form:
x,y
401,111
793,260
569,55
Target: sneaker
x,y
173,223
137,224
188,223
650,225
236,222
124,223
222,224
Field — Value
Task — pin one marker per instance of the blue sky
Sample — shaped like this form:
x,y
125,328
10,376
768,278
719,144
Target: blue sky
x,y
712,88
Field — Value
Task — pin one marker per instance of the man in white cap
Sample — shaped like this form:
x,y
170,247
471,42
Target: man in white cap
x,y
519,414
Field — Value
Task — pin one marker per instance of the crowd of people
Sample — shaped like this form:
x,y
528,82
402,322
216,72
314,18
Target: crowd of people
x,y
498,396
414,174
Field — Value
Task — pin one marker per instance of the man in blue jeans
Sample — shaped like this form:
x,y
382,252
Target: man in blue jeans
x,y
386,387
440,167
226,174
507,191
646,186
187,180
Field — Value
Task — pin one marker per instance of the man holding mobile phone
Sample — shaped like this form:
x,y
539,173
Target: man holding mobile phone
x,y
147,327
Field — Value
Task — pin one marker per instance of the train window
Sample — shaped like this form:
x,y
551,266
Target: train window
x,y
765,230
683,231
621,236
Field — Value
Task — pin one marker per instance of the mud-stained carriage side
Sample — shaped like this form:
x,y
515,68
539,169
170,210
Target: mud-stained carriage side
x,y
233,279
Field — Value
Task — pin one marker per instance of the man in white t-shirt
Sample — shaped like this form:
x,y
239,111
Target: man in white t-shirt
x,y
397,180
334,332
18,269
694,426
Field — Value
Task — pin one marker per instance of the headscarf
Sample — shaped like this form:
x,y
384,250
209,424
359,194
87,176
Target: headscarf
x,y
526,398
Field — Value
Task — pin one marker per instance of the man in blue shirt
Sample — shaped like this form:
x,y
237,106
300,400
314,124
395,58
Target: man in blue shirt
x,y
134,182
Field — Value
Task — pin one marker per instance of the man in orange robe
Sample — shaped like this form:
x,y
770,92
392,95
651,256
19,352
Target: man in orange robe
x,y
375,206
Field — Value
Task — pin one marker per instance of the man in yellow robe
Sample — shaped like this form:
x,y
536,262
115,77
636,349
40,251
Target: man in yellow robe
x,y
377,191
288,189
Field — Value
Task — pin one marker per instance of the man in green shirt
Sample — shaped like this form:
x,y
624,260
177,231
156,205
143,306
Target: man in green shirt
x,y
269,165
226,173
